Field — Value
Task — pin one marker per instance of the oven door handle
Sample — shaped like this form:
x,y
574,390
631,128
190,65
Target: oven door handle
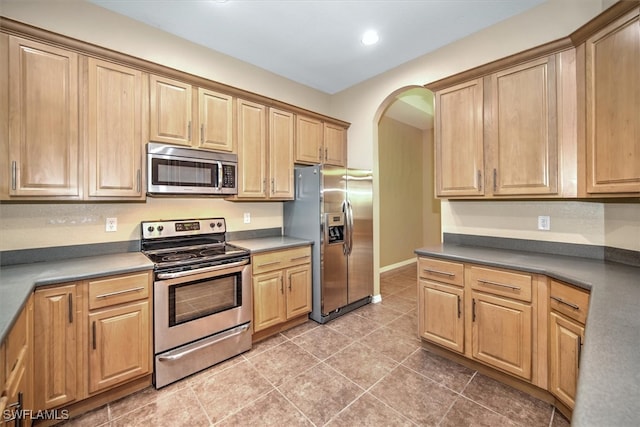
x,y
220,337
202,270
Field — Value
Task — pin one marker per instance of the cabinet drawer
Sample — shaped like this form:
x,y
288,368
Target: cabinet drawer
x,y
113,290
501,282
441,271
15,343
570,301
276,260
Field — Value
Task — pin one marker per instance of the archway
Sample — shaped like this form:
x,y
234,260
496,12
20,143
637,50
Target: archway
x,y
407,211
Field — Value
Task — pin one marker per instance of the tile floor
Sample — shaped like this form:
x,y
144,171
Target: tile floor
x,y
365,368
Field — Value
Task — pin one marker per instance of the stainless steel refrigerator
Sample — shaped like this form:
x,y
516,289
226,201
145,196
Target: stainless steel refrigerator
x,y
333,208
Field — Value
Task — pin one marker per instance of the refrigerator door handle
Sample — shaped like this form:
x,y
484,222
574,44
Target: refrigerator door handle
x,y
345,213
350,225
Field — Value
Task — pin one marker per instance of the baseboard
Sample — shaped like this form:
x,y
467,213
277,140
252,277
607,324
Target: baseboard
x,y
397,265
376,299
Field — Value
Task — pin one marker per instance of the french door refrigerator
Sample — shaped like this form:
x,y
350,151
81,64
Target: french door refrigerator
x,y
333,208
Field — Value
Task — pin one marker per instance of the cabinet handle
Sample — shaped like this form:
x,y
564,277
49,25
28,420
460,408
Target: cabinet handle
x,y
443,273
459,312
495,180
289,282
299,257
70,297
579,349
14,169
264,184
320,153
189,131
202,134
479,180
326,154
502,285
473,310
93,332
272,186
561,301
139,180
126,291
269,263
281,286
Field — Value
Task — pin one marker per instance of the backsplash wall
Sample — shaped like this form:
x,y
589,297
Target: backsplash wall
x,y
27,226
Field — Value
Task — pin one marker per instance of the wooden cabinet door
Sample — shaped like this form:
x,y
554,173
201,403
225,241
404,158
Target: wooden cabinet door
x,y
281,135
116,115
613,107
216,120
335,145
170,111
459,140
268,300
252,147
522,129
440,314
56,349
299,290
43,120
566,337
502,333
119,345
309,137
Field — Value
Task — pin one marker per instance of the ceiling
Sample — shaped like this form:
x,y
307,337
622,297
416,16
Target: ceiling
x,y
317,42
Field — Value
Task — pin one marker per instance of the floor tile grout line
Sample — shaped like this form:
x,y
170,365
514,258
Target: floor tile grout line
x,y
206,414
444,416
296,406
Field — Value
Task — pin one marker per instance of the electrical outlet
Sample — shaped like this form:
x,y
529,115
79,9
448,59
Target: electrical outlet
x,y
247,218
544,223
111,225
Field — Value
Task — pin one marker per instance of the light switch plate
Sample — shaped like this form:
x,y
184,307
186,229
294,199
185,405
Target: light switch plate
x,y
247,218
544,223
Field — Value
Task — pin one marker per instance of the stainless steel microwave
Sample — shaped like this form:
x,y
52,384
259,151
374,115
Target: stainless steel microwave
x,y
173,170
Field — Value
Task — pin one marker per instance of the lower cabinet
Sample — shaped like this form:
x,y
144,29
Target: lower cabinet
x,y
281,287
16,375
92,336
441,315
567,317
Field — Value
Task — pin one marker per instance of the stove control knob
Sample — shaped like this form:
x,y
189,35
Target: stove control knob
x,y
150,229
219,224
160,228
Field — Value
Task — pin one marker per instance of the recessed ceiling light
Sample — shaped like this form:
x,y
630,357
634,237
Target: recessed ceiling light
x,y
370,37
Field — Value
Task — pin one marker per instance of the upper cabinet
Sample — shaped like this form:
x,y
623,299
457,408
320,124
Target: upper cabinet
x,y
612,103
216,120
459,140
115,131
557,121
43,144
320,142
171,111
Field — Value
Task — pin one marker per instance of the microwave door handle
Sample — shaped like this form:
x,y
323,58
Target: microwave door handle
x,y
219,176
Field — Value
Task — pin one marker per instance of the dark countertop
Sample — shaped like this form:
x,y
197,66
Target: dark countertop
x,y
609,381
18,281
264,244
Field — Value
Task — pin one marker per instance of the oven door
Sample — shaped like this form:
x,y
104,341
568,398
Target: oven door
x,y
194,304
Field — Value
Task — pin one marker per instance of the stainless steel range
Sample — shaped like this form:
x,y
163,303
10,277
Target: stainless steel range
x,y
202,296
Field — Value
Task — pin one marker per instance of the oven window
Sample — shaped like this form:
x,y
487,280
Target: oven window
x,y
203,298
184,173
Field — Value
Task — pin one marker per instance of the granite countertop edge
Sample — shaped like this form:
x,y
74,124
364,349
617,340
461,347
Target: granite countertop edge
x,y
609,379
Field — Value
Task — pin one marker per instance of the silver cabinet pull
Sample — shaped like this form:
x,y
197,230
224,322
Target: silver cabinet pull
x,y
126,291
139,180
269,263
202,134
199,346
473,310
289,282
14,171
326,154
93,330
479,180
281,286
495,180
189,131
459,310
70,297
561,301
502,285
273,186
300,257
443,273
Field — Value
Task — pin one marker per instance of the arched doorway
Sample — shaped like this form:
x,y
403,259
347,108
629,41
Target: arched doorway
x,y
408,212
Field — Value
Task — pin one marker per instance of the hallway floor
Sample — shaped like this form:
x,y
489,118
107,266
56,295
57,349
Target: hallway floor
x,y
366,368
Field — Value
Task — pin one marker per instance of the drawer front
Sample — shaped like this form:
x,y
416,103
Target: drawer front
x,y
501,282
114,290
570,301
276,260
441,271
